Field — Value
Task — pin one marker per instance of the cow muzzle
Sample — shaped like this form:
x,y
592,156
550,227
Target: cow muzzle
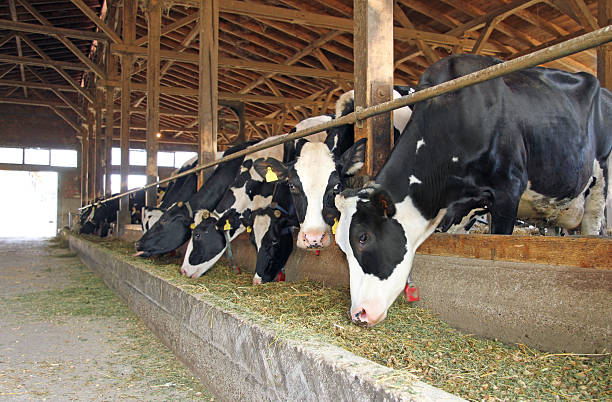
x,y
314,239
367,314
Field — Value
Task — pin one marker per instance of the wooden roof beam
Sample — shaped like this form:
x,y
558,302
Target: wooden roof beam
x,y
96,20
73,48
13,12
51,30
226,62
59,69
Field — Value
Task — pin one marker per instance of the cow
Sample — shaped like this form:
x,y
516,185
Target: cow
x,y
249,190
252,191
271,232
173,227
101,215
321,172
537,140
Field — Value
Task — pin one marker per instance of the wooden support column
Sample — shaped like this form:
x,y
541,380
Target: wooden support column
x,y
604,69
127,61
84,164
99,162
208,91
153,76
91,158
108,140
373,54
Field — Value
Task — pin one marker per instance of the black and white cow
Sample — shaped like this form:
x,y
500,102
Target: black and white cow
x,y
271,232
173,227
249,190
536,140
99,218
252,191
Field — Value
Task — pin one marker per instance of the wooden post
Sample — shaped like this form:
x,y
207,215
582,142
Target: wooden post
x,y
604,70
129,35
237,107
91,158
208,91
84,165
153,76
108,140
373,55
99,164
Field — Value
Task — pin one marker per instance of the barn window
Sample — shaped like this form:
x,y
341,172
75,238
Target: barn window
x,y
165,159
116,156
35,156
138,157
181,157
64,157
134,181
11,155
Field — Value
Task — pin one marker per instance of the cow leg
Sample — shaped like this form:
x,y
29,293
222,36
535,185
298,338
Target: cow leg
x,y
594,203
503,213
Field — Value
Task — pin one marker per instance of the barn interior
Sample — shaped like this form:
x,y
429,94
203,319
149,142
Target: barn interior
x,y
99,97
65,67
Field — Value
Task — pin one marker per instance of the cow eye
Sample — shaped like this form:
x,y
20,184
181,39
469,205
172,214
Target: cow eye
x,y
291,186
363,238
197,236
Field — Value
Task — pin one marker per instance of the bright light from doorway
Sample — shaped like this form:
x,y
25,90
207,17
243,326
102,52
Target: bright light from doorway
x,y
29,209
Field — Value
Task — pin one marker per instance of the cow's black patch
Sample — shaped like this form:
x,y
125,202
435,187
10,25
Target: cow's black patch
x,y
378,242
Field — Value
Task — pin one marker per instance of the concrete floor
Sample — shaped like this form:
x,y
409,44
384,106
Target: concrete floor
x,y
65,336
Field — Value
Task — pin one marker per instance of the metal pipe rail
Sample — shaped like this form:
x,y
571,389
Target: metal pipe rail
x,y
571,46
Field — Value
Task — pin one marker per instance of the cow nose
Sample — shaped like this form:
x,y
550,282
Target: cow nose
x,y
137,244
183,272
314,239
364,315
256,280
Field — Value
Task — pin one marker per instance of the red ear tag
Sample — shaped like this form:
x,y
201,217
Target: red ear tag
x,y
280,277
317,252
412,293
237,268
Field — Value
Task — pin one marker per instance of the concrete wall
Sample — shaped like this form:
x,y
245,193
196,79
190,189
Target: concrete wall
x,y
552,308
239,357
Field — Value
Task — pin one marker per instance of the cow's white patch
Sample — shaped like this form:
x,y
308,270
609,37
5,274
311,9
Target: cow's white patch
x,y
277,152
419,144
261,224
414,180
401,116
313,167
311,122
344,100
455,159
149,218
566,213
595,203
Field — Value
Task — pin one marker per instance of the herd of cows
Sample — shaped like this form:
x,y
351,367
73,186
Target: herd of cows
x,y
533,144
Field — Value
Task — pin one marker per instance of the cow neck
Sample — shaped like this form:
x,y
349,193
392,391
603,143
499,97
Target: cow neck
x,y
421,175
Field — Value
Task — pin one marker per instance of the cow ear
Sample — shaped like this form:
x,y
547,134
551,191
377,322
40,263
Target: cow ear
x,y
353,158
381,200
270,169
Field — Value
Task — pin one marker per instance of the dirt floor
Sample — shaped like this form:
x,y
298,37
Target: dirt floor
x,y
65,336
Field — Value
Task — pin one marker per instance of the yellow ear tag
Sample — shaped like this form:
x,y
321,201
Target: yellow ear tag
x,y
227,225
335,226
270,175
249,229
192,226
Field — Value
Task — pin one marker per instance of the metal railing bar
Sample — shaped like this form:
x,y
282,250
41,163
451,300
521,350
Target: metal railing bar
x,y
571,46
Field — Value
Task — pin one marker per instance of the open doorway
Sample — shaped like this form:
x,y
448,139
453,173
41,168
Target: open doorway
x,y
28,204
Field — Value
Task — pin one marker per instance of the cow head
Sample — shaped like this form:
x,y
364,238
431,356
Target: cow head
x,y
314,179
150,215
379,238
168,233
271,231
208,240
